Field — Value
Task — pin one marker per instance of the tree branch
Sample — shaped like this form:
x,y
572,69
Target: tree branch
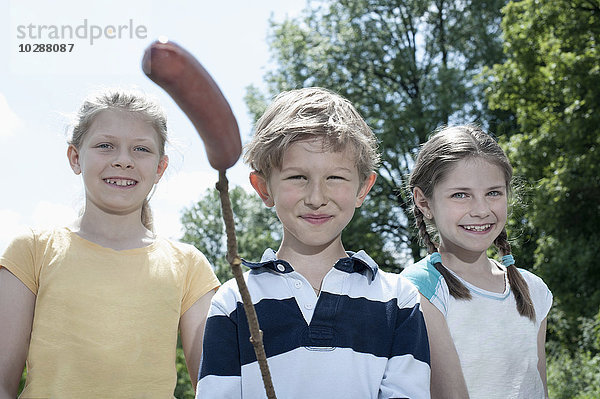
x,y
235,262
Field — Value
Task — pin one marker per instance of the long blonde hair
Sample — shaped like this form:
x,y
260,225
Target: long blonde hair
x,y
128,101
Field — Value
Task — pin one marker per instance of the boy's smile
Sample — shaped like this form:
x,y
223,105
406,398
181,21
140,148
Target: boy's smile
x,y
315,193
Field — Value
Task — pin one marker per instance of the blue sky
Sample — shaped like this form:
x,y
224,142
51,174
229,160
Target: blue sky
x,y
40,91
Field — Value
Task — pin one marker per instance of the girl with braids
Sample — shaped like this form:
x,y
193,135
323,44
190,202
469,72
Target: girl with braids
x,y
95,308
495,313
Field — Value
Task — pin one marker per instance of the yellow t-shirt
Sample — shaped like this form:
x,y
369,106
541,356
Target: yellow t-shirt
x,y
106,321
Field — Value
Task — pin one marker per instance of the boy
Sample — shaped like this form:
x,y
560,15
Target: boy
x,y
334,325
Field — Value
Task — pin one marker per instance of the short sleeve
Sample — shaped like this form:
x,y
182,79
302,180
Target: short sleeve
x,y
200,278
21,259
429,282
540,294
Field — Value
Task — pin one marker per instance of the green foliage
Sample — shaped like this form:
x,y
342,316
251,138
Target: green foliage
x,y
577,374
184,388
22,382
574,376
408,67
551,81
257,228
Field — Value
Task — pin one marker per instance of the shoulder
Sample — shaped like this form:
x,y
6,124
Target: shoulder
x,y
425,277
397,287
29,251
181,250
226,298
532,279
540,293
36,237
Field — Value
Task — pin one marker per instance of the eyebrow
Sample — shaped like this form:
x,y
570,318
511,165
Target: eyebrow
x,y
302,168
468,188
113,137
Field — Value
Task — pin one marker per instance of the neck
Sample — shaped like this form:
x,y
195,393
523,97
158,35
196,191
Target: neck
x,y
465,264
312,262
113,231
477,269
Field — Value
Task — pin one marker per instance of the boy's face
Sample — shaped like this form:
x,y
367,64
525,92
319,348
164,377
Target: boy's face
x,y
315,193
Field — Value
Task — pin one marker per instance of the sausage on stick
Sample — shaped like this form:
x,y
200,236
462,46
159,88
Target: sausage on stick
x,y
193,89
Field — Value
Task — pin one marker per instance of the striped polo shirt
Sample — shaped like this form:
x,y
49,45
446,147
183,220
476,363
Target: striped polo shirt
x,y
362,337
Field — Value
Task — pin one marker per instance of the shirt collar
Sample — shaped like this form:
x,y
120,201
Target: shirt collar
x,y
357,262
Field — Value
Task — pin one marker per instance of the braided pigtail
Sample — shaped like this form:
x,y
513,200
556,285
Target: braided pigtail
x,y
456,288
517,283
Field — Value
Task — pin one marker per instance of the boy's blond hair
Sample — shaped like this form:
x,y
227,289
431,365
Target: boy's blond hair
x,y
305,113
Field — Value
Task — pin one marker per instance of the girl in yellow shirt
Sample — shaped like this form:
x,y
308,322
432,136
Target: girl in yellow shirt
x,y
95,308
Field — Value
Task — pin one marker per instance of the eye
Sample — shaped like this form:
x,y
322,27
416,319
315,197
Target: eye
x,y
295,177
459,195
495,193
142,149
337,178
104,146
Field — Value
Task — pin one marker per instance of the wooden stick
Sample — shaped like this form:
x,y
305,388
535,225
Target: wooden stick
x,y
235,262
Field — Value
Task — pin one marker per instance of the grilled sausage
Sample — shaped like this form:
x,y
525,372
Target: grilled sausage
x,y
177,71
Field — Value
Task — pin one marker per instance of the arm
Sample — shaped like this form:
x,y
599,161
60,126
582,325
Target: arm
x,y
541,344
407,373
17,304
191,327
447,380
220,366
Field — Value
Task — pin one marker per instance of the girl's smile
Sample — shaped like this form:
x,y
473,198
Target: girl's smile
x,y
469,206
120,162
120,182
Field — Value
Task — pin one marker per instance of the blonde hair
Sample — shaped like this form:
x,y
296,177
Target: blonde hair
x,y
126,101
436,158
305,113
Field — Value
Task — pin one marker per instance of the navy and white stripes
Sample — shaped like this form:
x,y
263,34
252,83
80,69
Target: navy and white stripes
x,y
363,337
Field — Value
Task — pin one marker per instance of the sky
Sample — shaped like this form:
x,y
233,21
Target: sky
x,y
104,42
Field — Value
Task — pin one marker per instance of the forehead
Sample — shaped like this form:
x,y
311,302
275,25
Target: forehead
x,y
122,124
473,173
310,149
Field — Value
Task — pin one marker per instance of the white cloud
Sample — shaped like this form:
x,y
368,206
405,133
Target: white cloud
x,y
47,214
10,121
183,189
167,224
11,225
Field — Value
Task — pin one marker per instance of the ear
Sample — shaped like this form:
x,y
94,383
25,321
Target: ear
x,y
262,188
162,166
73,155
422,203
364,190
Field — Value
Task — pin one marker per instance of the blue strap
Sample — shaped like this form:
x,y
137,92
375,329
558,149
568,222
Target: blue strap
x,y
435,258
508,260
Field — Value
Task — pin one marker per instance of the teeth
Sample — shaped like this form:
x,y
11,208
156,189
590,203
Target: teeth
x,y
478,228
120,182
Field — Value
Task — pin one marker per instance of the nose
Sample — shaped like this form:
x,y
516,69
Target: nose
x,y
123,160
316,195
480,207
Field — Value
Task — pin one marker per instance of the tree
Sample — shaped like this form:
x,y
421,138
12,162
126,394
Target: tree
x,y
408,67
257,228
551,81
